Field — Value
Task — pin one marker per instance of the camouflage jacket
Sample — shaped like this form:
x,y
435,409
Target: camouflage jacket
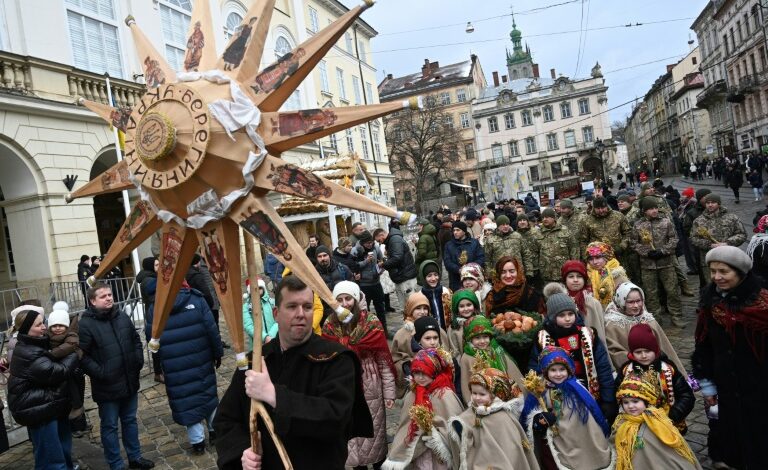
x,y
612,229
636,214
555,246
529,242
654,234
511,244
721,226
571,223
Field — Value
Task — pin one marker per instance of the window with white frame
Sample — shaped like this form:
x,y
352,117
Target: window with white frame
x,y
589,135
369,92
514,149
565,109
350,141
496,152
549,113
175,16
530,145
349,43
509,121
234,20
93,36
356,90
334,142
314,24
283,46
570,138
340,83
449,120
551,141
584,106
324,85
493,124
445,98
461,95
376,145
364,143
464,118
527,118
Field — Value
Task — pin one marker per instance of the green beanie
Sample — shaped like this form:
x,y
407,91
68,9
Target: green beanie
x,y
502,220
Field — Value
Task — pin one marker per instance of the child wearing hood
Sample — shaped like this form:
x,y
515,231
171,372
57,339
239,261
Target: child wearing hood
x,y
472,278
562,418
480,351
269,325
439,297
488,433
464,307
643,435
675,396
421,439
592,367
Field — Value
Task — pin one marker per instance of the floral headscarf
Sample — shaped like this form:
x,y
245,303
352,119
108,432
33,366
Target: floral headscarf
x,y
438,365
599,249
472,271
496,382
491,357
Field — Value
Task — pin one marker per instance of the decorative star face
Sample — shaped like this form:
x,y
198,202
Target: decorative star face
x,y
202,148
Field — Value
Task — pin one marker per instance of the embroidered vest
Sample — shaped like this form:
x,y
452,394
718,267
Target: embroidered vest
x,y
582,342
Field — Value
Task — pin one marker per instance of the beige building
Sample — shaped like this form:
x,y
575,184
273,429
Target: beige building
x,y
693,123
45,136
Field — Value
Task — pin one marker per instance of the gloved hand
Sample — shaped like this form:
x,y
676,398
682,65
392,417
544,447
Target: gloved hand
x,y
655,254
610,410
542,421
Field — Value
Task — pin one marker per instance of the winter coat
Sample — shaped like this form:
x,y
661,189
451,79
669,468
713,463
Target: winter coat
x,y
663,238
457,254
38,390
444,235
273,268
369,270
756,180
511,244
334,274
268,326
690,215
554,247
83,272
112,353
735,178
738,370
189,346
196,280
427,247
146,297
572,222
612,229
399,263
720,225
346,259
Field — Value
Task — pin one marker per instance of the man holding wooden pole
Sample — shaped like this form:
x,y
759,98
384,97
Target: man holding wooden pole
x,y
310,388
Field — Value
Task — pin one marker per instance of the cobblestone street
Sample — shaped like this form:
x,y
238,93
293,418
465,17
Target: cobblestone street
x,y
166,442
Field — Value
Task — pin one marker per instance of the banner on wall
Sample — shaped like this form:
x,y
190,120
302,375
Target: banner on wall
x,y
506,182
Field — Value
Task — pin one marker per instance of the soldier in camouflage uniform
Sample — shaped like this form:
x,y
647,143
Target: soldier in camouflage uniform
x,y
569,218
715,227
690,215
555,246
631,260
505,242
654,238
525,231
604,225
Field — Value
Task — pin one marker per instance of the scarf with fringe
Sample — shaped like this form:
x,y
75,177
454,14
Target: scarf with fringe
x,y
627,428
437,364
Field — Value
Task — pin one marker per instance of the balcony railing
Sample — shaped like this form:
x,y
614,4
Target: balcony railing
x,y
712,92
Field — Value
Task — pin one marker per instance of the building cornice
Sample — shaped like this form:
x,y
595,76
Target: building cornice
x,y
339,8
534,102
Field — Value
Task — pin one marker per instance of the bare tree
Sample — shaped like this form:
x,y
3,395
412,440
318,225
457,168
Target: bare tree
x,y
618,129
422,144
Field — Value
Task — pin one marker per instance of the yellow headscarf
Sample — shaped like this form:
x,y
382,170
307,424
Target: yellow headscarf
x,y
646,388
603,284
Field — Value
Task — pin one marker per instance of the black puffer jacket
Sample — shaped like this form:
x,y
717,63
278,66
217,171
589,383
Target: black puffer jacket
x,y
37,388
112,353
399,262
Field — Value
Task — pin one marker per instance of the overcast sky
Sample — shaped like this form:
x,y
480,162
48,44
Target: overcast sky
x,y
401,53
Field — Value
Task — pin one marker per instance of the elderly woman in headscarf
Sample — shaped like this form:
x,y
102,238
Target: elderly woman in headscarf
x,y
730,360
625,311
601,267
511,291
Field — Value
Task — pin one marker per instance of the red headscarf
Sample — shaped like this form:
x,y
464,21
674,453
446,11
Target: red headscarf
x,y
437,364
366,339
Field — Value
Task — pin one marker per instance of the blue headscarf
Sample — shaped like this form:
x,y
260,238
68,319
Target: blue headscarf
x,y
575,396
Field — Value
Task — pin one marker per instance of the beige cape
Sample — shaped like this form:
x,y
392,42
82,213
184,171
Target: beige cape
x,y
467,362
657,455
402,353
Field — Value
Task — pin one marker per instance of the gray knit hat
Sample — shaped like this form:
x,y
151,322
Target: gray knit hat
x,y
549,212
567,203
712,197
730,255
557,303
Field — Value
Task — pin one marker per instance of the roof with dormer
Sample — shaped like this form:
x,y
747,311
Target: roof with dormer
x,y
416,83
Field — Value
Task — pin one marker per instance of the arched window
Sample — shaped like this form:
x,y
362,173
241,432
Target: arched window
x,y
233,22
283,46
514,75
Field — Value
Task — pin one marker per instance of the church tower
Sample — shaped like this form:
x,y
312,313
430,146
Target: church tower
x,y
519,62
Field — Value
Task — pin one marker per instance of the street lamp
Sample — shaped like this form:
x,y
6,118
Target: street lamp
x,y
600,148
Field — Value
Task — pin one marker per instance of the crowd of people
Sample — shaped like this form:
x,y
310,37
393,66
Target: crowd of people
x,y
532,338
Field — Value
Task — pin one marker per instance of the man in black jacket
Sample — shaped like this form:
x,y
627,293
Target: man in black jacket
x,y
83,273
331,271
196,279
112,358
399,262
311,389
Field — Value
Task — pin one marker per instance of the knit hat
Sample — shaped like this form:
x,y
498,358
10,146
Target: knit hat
x,y
599,202
658,183
648,203
645,387
566,203
471,214
732,256
347,287
573,265
322,249
460,225
624,197
61,305
502,220
464,294
472,271
645,186
523,217
344,242
688,192
58,317
712,198
558,303
641,336
24,308
552,355
365,237
702,192
549,212
416,299
422,221
148,264
489,226
496,382
424,324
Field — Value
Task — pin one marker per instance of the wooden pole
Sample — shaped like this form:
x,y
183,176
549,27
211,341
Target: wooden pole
x,y
257,408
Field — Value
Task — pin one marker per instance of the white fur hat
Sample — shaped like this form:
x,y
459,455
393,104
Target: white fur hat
x,y
58,317
24,308
61,305
262,284
347,287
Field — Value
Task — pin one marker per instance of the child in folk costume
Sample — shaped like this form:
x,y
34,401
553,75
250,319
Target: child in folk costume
x,y
439,297
587,351
429,335
421,440
626,311
481,350
601,263
472,278
464,307
676,396
488,433
562,419
644,436
576,281
365,336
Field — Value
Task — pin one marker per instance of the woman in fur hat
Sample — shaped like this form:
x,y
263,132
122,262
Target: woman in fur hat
x,y
365,336
488,433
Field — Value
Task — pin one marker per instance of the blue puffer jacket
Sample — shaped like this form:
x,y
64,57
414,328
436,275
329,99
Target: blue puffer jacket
x,y
188,347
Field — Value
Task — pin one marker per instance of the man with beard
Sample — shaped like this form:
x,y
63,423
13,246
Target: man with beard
x,y
568,217
505,242
331,271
